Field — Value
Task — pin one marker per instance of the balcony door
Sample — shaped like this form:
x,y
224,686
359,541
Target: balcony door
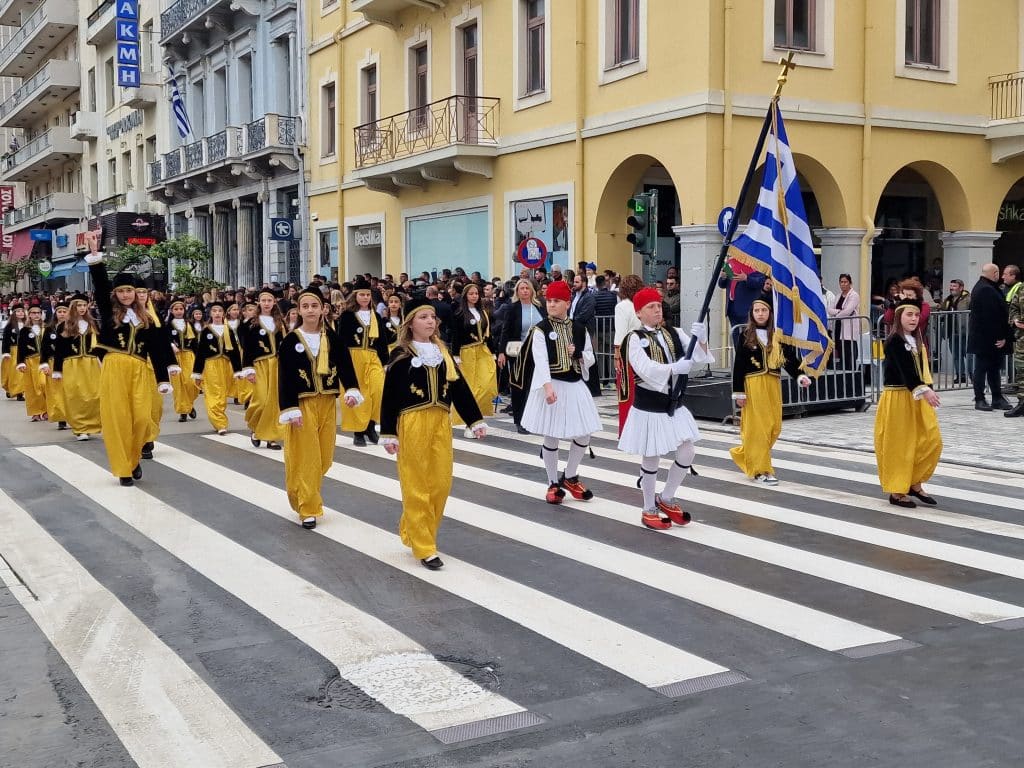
x,y
470,109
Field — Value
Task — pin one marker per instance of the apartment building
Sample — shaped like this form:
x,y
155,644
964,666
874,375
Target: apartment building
x,y
238,169
42,52
446,133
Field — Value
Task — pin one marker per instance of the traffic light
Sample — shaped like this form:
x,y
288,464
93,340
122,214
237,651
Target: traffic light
x,y
641,220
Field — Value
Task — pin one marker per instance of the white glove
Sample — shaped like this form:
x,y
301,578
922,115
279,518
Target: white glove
x,y
700,331
682,365
57,376
164,388
44,368
173,370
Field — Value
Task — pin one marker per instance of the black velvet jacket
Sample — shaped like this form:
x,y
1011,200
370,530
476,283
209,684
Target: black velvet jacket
x,y
296,370
411,387
211,345
355,335
902,368
751,362
258,343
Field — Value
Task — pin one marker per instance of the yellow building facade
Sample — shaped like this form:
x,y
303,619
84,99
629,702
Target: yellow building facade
x,y
443,134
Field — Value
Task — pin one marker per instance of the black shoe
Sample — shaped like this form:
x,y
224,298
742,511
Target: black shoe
x,y
1017,410
273,446
147,450
254,440
137,472
923,497
192,413
433,563
982,405
21,398
183,417
127,481
371,433
507,409
62,425
359,441
1002,404
522,430
309,523
903,501
235,400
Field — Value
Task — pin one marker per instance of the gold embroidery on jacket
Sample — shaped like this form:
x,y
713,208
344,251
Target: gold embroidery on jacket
x,y
305,378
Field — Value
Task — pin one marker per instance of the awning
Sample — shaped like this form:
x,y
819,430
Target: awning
x,y
22,245
65,268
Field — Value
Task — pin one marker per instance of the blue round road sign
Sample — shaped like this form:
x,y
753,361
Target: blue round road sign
x,y
725,219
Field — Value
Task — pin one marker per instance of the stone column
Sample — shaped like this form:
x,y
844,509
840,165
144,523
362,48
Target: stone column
x,y
246,273
699,247
965,253
220,244
840,253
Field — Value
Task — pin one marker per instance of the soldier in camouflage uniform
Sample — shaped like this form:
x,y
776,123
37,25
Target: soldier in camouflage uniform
x,y
1016,311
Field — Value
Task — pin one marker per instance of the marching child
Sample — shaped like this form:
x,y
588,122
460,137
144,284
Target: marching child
x,y
756,371
77,367
555,360
421,387
182,338
314,367
361,330
13,379
907,438
261,337
652,357
218,362
56,408
30,340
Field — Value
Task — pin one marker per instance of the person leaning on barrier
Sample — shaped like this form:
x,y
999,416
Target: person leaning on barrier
x,y
954,329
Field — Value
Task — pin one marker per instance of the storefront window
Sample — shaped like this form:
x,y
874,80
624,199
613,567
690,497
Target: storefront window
x,y
450,240
546,220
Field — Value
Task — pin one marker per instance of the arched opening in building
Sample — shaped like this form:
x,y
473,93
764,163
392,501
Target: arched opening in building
x,y
639,173
1009,248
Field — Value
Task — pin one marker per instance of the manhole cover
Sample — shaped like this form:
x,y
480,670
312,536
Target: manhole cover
x,y
410,683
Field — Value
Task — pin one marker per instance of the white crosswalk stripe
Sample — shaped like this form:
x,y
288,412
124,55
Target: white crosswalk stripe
x,y
404,676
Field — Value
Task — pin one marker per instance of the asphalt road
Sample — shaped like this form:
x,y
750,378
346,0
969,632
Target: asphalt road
x,y
189,621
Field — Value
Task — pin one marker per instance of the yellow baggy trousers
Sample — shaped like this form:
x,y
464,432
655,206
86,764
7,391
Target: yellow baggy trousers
x,y
907,440
308,454
126,409
370,374
425,473
81,385
262,414
217,377
760,425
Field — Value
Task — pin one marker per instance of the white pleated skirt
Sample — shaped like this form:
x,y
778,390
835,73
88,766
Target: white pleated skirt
x,y
573,414
655,434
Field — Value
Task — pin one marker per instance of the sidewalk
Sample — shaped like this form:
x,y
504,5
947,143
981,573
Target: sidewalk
x,y
970,437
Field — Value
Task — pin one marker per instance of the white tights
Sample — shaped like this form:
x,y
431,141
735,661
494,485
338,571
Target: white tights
x,y
649,474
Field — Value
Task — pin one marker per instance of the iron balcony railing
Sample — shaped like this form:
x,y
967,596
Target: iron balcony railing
x,y
38,207
1006,95
33,148
444,123
95,15
180,14
27,87
28,27
232,143
111,203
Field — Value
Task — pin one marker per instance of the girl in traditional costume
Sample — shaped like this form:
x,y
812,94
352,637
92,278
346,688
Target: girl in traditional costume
x,y
261,338
77,366
218,363
361,330
471,346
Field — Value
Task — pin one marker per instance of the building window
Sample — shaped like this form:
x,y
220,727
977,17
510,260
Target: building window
x,y
110,84
370,94
420,92
126,171
112,166
329,5
94,181
794,24
90,80
626,43
922,26
329,128
535,45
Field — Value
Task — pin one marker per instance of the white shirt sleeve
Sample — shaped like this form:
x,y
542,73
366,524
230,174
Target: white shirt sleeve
x,y
541,366
655,375
623,311
588,359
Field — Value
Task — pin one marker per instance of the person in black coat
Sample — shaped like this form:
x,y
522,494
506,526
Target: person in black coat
x,y
988,338
583,309
524,310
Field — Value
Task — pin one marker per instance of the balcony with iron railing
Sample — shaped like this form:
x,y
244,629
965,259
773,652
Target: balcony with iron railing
x,y
101,26
189,15
39,34
435,142
1005,130
386,11
37,95
272,139
43,154
56,208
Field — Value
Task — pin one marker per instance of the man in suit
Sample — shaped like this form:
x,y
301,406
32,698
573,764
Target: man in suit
x,y
583,309
988,338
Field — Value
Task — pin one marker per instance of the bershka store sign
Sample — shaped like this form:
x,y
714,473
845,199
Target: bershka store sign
x,y
6,204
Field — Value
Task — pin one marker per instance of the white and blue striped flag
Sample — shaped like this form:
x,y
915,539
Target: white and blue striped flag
x,y
178,108
777,242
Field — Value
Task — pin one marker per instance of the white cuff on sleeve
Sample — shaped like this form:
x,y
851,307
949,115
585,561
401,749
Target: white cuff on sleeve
x,y
739,395
197,376
388,441
57,376
240,375
247,372
173,370
94,258
290,415
356,394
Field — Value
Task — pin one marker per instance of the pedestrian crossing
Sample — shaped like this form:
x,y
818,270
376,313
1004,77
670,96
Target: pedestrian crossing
x,y
578,607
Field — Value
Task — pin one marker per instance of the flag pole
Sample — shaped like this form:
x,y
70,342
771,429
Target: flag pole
x,y
786,64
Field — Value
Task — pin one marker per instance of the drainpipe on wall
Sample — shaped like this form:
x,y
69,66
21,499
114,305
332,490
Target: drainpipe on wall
x,y
724,340
581,104
299,101
340,111
865,177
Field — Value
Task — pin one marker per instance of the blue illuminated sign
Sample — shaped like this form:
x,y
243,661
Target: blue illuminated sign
x,y
129,65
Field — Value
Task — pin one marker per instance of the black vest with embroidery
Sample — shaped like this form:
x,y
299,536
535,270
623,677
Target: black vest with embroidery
x,y
563,367
647,399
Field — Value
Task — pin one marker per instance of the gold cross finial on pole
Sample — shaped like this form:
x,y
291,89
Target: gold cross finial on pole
x,y
786,64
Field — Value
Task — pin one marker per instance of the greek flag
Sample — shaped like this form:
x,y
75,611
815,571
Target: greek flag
x,y
777,242
178,108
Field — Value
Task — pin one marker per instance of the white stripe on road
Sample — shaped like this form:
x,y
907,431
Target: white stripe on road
x,y
160,709
891,585
926,514
936,550
640,657
390,667
783,616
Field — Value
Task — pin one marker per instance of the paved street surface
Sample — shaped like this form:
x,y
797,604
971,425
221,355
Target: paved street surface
x,y
189,621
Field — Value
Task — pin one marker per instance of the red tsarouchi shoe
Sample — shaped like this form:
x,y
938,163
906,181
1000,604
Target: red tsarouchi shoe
x,y
674,512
